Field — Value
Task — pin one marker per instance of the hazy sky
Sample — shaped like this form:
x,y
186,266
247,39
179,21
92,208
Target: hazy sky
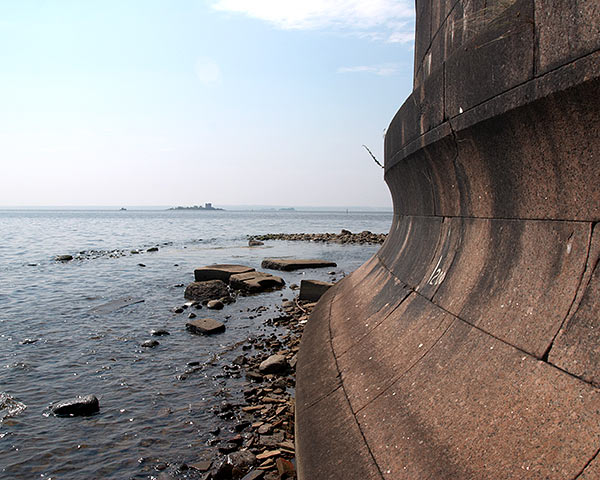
x,y
181,102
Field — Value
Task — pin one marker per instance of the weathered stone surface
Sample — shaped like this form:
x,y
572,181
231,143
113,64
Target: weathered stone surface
x,y
289,264
205,326
467,347
219,272
274,364
206,290
255,281
78,406
312,290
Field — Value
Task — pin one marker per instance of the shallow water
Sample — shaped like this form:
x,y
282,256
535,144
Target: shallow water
x,y
55,345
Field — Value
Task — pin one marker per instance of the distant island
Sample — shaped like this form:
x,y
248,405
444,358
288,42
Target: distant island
x,y
207,206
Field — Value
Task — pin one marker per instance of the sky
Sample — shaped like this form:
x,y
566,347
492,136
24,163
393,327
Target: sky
x,y
182,102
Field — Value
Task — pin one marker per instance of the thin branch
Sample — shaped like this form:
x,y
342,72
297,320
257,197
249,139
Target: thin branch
x,y
373,156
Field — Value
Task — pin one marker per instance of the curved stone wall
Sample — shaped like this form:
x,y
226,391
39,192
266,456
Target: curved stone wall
x,y
469,345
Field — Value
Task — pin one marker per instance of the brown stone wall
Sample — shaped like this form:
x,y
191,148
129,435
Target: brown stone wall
x,y
468,346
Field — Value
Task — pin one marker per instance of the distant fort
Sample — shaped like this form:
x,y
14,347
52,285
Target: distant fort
x,y
207,206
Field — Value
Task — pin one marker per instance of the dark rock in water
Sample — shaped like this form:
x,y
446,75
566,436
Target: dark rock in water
x,y
152,249
294,286
228,447
206,290
159,332
177,310
241,426
141,264
205,326
64,258
312,290
241,461
219,272
134,252
274,364
29,341
203,466
254,376
345,232
255,281
78,406
288,264
215,305
194,363
10,406
192,315
254,243
150,344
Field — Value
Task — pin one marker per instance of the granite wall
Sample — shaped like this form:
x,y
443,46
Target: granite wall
x,y
468,347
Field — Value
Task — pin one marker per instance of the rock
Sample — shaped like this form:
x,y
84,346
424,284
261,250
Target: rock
x,y
345,232
205,326
64,258
215,305
255,281
116,305
265,429
294,286
150,344
254,376
288,304
228,447
206,290
312,290
219,272
177,310
29,341
152,249
141,265
78,406
192,315
254,243
287,264
241,462
203,466
274,364
285,468
254,475
159,332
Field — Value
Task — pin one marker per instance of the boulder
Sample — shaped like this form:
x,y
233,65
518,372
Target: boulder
x,y
289,264
312,290
254,243
205,326
255,281
77,406
215,305
64,258
150,344
274,364
206,290
219,272
241,461
159,332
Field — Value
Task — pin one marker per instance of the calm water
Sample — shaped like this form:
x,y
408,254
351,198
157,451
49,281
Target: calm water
x,y
149,412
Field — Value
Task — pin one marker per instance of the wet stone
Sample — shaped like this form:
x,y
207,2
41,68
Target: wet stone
x,y
159,332
205,326
274,364
78,406
150,344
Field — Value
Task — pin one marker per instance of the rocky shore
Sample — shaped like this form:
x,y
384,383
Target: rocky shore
x,y
256,439
345,236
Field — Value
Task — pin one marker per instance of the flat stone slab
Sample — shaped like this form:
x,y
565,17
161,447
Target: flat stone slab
x,y
205,326
116,305
289,264
206,290
312,290
219,272
255,281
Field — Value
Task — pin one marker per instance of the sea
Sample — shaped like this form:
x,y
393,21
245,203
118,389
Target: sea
x,y
66,330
